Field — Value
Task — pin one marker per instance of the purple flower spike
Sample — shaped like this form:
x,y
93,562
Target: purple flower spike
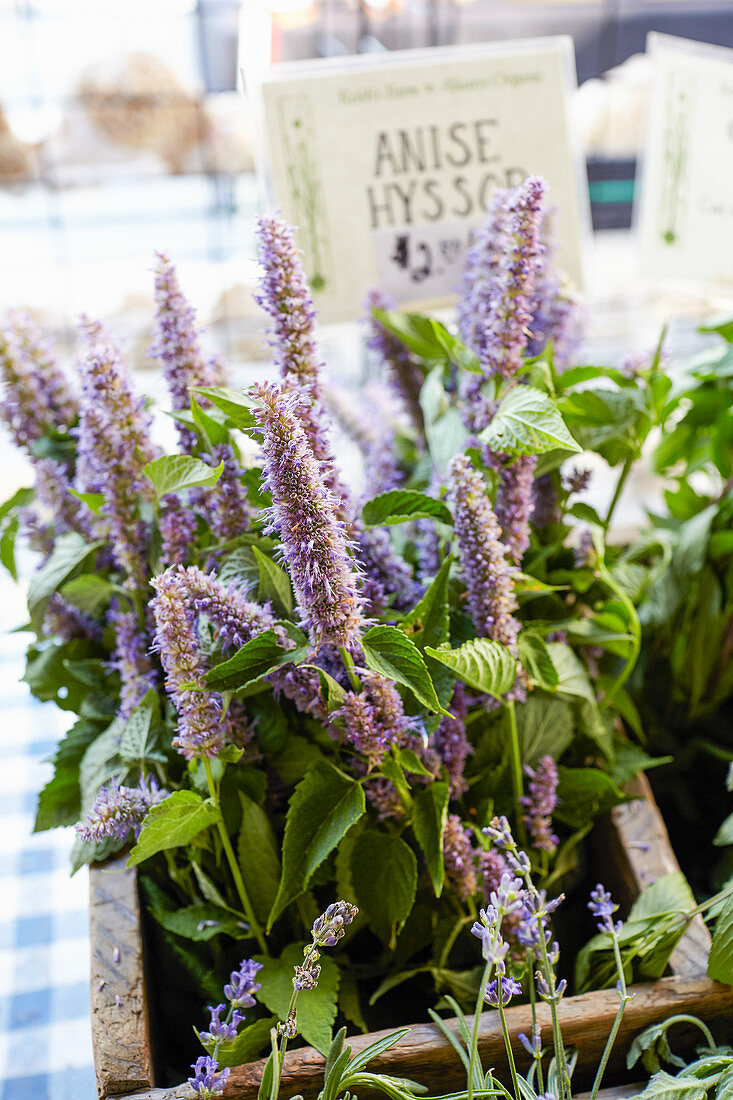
x,y
119,811
460,857
541,802
242,985
220,1029
238,619
514,504
372,719
488,577
451,744
207,1082
37,395
401,371
176,345
114,446
131,659
316,548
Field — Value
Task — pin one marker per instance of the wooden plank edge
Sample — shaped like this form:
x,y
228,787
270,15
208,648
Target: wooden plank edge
x,y
119,1008
643,853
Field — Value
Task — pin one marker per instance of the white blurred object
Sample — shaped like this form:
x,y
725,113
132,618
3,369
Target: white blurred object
x,y
229,142
610,113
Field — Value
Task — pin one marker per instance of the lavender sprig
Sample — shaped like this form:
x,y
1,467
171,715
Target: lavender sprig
x,y
514,504
316,548
451,744
131,659
118,812
37,395
541,803
373,719
460,857
207,1082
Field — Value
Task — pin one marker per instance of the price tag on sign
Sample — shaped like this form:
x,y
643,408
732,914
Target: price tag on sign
x,y
421,261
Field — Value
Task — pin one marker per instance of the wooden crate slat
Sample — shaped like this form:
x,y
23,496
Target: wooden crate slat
x,y
120,1024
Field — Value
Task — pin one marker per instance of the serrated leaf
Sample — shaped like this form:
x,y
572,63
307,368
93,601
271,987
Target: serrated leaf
x,y
250,1043
545,727
59,803
213,431
258,857
238,406
482,664
428,624
274,584
174,473
527,422
316,1007
256,657
665,1087
390,652
384,873
323,807
535,658
172,823
429,815
136,742
68,554
100,762
199,922
400,505
89,592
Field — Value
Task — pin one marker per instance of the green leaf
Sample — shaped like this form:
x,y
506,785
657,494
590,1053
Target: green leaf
x,y
136,741
724,834
426,337
249,1045
720,963
384,873
172,823
174,473
68,554
669,894
59,803
100,762
527,422
274,584
89,592
482,664
534,656
199,922
665,1087
584,794
444,429
255,658
258,856
400,505
93,501
19,499
651,1046
323,807
388,651
238,406
428,624
545,727
572,675
316,1007
213,431
429,815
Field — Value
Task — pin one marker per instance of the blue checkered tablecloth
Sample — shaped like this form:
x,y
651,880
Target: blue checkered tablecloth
x,y
45,1041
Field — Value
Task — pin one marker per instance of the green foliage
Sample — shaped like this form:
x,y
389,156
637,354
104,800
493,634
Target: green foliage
x,y
388,651
175,473
429,815
401,505
316,1008
175,821
384,875
482,664
528,422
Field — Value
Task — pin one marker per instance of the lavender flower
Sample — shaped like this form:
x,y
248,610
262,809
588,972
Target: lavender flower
x,y
390,575
460,858
118,811
53,491
176,345
451,744
482,268
577,480
37,395
114,445
207,1082
330,927
68,622
540,803
221,1029
200,730
493,867
385,798
488,577
372,719
556,314
401,371
226,505
242,986
131,659
602,906
501,990
488,929
304,512
370,422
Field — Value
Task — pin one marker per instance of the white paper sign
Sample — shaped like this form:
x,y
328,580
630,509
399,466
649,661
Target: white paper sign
x,y
386,163
685,213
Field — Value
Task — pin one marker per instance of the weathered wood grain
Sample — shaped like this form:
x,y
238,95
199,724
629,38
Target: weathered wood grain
x,y
120,1025
632,849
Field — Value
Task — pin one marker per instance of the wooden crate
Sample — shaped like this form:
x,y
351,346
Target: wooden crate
x,y
632,849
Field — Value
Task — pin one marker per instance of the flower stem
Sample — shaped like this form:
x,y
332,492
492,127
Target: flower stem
x,y
476,1025
625,998
625,471
232,861
516,770
507,1041
535,1030
348,661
